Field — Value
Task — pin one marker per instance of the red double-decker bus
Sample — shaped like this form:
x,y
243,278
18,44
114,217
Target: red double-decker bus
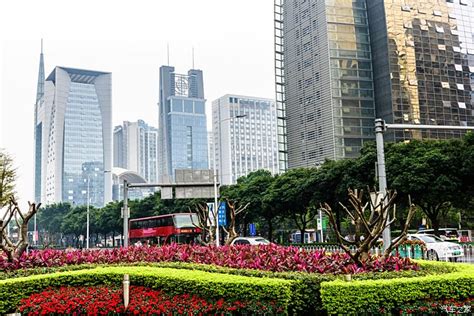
x,y
165,229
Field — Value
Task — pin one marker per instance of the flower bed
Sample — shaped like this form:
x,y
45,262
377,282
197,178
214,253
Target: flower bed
x,y
104,300
173,282
265,257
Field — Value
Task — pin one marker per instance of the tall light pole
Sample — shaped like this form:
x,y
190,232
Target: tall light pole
x,y
216,191
125,213
88,202
380,128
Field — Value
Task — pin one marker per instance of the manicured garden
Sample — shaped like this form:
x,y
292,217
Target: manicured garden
x,y
241,280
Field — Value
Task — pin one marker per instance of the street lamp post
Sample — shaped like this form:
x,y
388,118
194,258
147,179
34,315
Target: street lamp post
x,y
380,128
216,191
88,202
125,214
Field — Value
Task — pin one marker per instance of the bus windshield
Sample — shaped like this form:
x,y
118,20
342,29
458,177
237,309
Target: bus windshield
x,y
186,220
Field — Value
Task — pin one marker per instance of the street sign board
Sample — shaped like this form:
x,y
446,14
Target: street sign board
x,y
252,229
222,214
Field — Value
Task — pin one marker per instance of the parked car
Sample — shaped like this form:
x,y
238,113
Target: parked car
x,y
438,249
447,234
250,241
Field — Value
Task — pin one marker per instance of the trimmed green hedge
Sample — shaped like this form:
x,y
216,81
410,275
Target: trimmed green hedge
x,y
171,281
305,289
355,297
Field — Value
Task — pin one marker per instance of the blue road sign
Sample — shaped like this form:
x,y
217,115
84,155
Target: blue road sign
x,y
221,214
252,229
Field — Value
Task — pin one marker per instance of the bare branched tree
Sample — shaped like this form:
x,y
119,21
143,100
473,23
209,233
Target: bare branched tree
x,y
234,211
207,230
14,250
369,220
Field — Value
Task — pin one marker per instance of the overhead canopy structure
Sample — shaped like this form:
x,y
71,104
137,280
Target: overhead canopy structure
x,y
120,174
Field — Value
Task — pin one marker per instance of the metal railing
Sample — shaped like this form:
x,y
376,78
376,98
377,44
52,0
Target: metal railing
x,y
405,251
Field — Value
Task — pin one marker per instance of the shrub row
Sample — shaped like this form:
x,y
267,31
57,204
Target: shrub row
x,y
361,295
264,257
305,287
173,282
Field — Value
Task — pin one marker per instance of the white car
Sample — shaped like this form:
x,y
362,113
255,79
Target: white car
x,y
250,241
438,249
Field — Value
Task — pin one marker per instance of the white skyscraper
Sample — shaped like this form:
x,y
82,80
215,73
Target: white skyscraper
x,y
73,137
245,136
136,149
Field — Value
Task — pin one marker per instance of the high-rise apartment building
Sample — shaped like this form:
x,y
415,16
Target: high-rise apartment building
x,y
182,122
136,149
73,137
245,136
339,64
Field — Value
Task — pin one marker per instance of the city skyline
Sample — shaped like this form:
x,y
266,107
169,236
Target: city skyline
x,y
134,63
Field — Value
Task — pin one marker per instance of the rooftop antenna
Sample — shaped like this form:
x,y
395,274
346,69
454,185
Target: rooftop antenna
x,y
193,57
41,46
168,52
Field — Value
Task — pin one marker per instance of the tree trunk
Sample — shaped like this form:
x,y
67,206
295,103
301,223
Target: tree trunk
x,y
270,228
435,222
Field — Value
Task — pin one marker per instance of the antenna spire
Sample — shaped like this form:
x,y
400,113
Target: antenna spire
x,y
168,52
193,57
41,76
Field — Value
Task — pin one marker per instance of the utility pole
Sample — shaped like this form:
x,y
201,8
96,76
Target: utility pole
x,y
379,129
125,213
88,202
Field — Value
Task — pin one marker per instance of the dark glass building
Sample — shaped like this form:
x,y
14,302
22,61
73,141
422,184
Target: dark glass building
x,y
341,63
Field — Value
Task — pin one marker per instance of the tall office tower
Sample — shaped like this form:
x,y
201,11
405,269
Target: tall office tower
x,y
423,64
136,149
73,129
324,80
245,136
182,122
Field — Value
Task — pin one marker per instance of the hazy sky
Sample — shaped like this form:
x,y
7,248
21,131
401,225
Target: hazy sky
x,y
232,40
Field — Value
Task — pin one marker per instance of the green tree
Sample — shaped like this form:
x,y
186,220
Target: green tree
x,y
429,172
294,192
51,217
74,223
255,190
7,178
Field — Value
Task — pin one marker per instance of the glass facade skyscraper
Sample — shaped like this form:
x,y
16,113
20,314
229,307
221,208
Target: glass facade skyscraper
x,y
327,81
182,122
423,64
341,63
245,136
73,126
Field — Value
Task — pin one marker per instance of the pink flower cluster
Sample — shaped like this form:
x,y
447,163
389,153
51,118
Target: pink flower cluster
x,y
263,257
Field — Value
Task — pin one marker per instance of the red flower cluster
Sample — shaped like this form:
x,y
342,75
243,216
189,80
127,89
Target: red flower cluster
x,y
264,257
143,301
